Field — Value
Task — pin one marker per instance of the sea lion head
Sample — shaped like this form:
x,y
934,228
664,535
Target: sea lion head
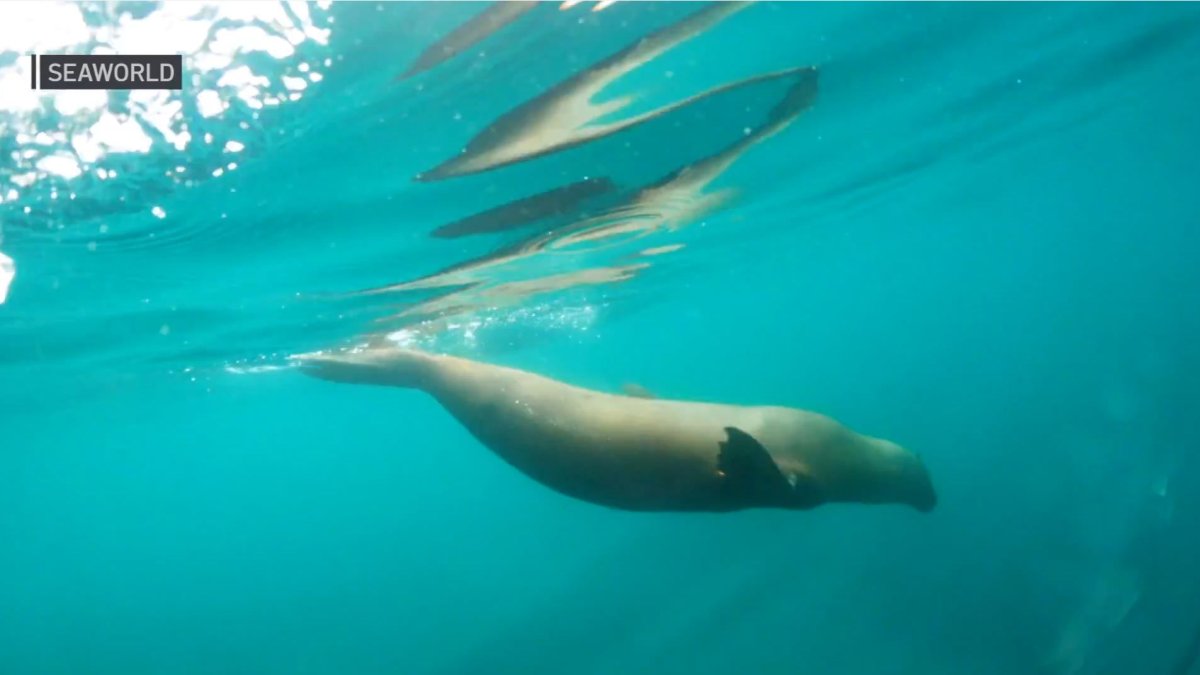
x,y
904,477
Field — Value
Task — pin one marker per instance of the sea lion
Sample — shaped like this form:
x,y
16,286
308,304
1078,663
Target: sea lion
x,y
644,454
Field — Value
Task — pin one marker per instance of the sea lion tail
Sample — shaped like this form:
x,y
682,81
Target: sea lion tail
x,y
384,365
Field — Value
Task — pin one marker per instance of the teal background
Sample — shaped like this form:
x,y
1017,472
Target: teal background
x,y
981,242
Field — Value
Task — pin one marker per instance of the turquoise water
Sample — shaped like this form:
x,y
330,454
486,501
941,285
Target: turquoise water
x,y
978,240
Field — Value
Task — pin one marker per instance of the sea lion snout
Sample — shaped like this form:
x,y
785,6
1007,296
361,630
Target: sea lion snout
x,y
925,497
919,485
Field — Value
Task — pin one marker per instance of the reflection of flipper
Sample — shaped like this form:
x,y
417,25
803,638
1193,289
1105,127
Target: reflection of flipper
x,y
751,477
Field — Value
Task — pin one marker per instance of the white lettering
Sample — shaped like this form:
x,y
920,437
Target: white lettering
x,y
91,73
94,72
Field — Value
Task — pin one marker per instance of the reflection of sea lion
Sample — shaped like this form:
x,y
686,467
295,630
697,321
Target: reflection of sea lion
x,y
569,113
560,201
678,198
474,31
648,455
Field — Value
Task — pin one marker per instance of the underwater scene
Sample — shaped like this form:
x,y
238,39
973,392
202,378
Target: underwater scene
x,y
844,338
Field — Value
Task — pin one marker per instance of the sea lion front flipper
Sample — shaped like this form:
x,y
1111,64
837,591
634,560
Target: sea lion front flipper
x,y
751,476
747,469
637,391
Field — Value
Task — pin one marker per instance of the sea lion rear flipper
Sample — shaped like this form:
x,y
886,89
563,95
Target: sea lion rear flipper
x,y
751,476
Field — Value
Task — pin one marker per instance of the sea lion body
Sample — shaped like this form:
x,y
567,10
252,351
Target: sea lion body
x,y
645,454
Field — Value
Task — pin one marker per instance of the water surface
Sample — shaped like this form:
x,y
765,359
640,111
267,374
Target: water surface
x,y
966,227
